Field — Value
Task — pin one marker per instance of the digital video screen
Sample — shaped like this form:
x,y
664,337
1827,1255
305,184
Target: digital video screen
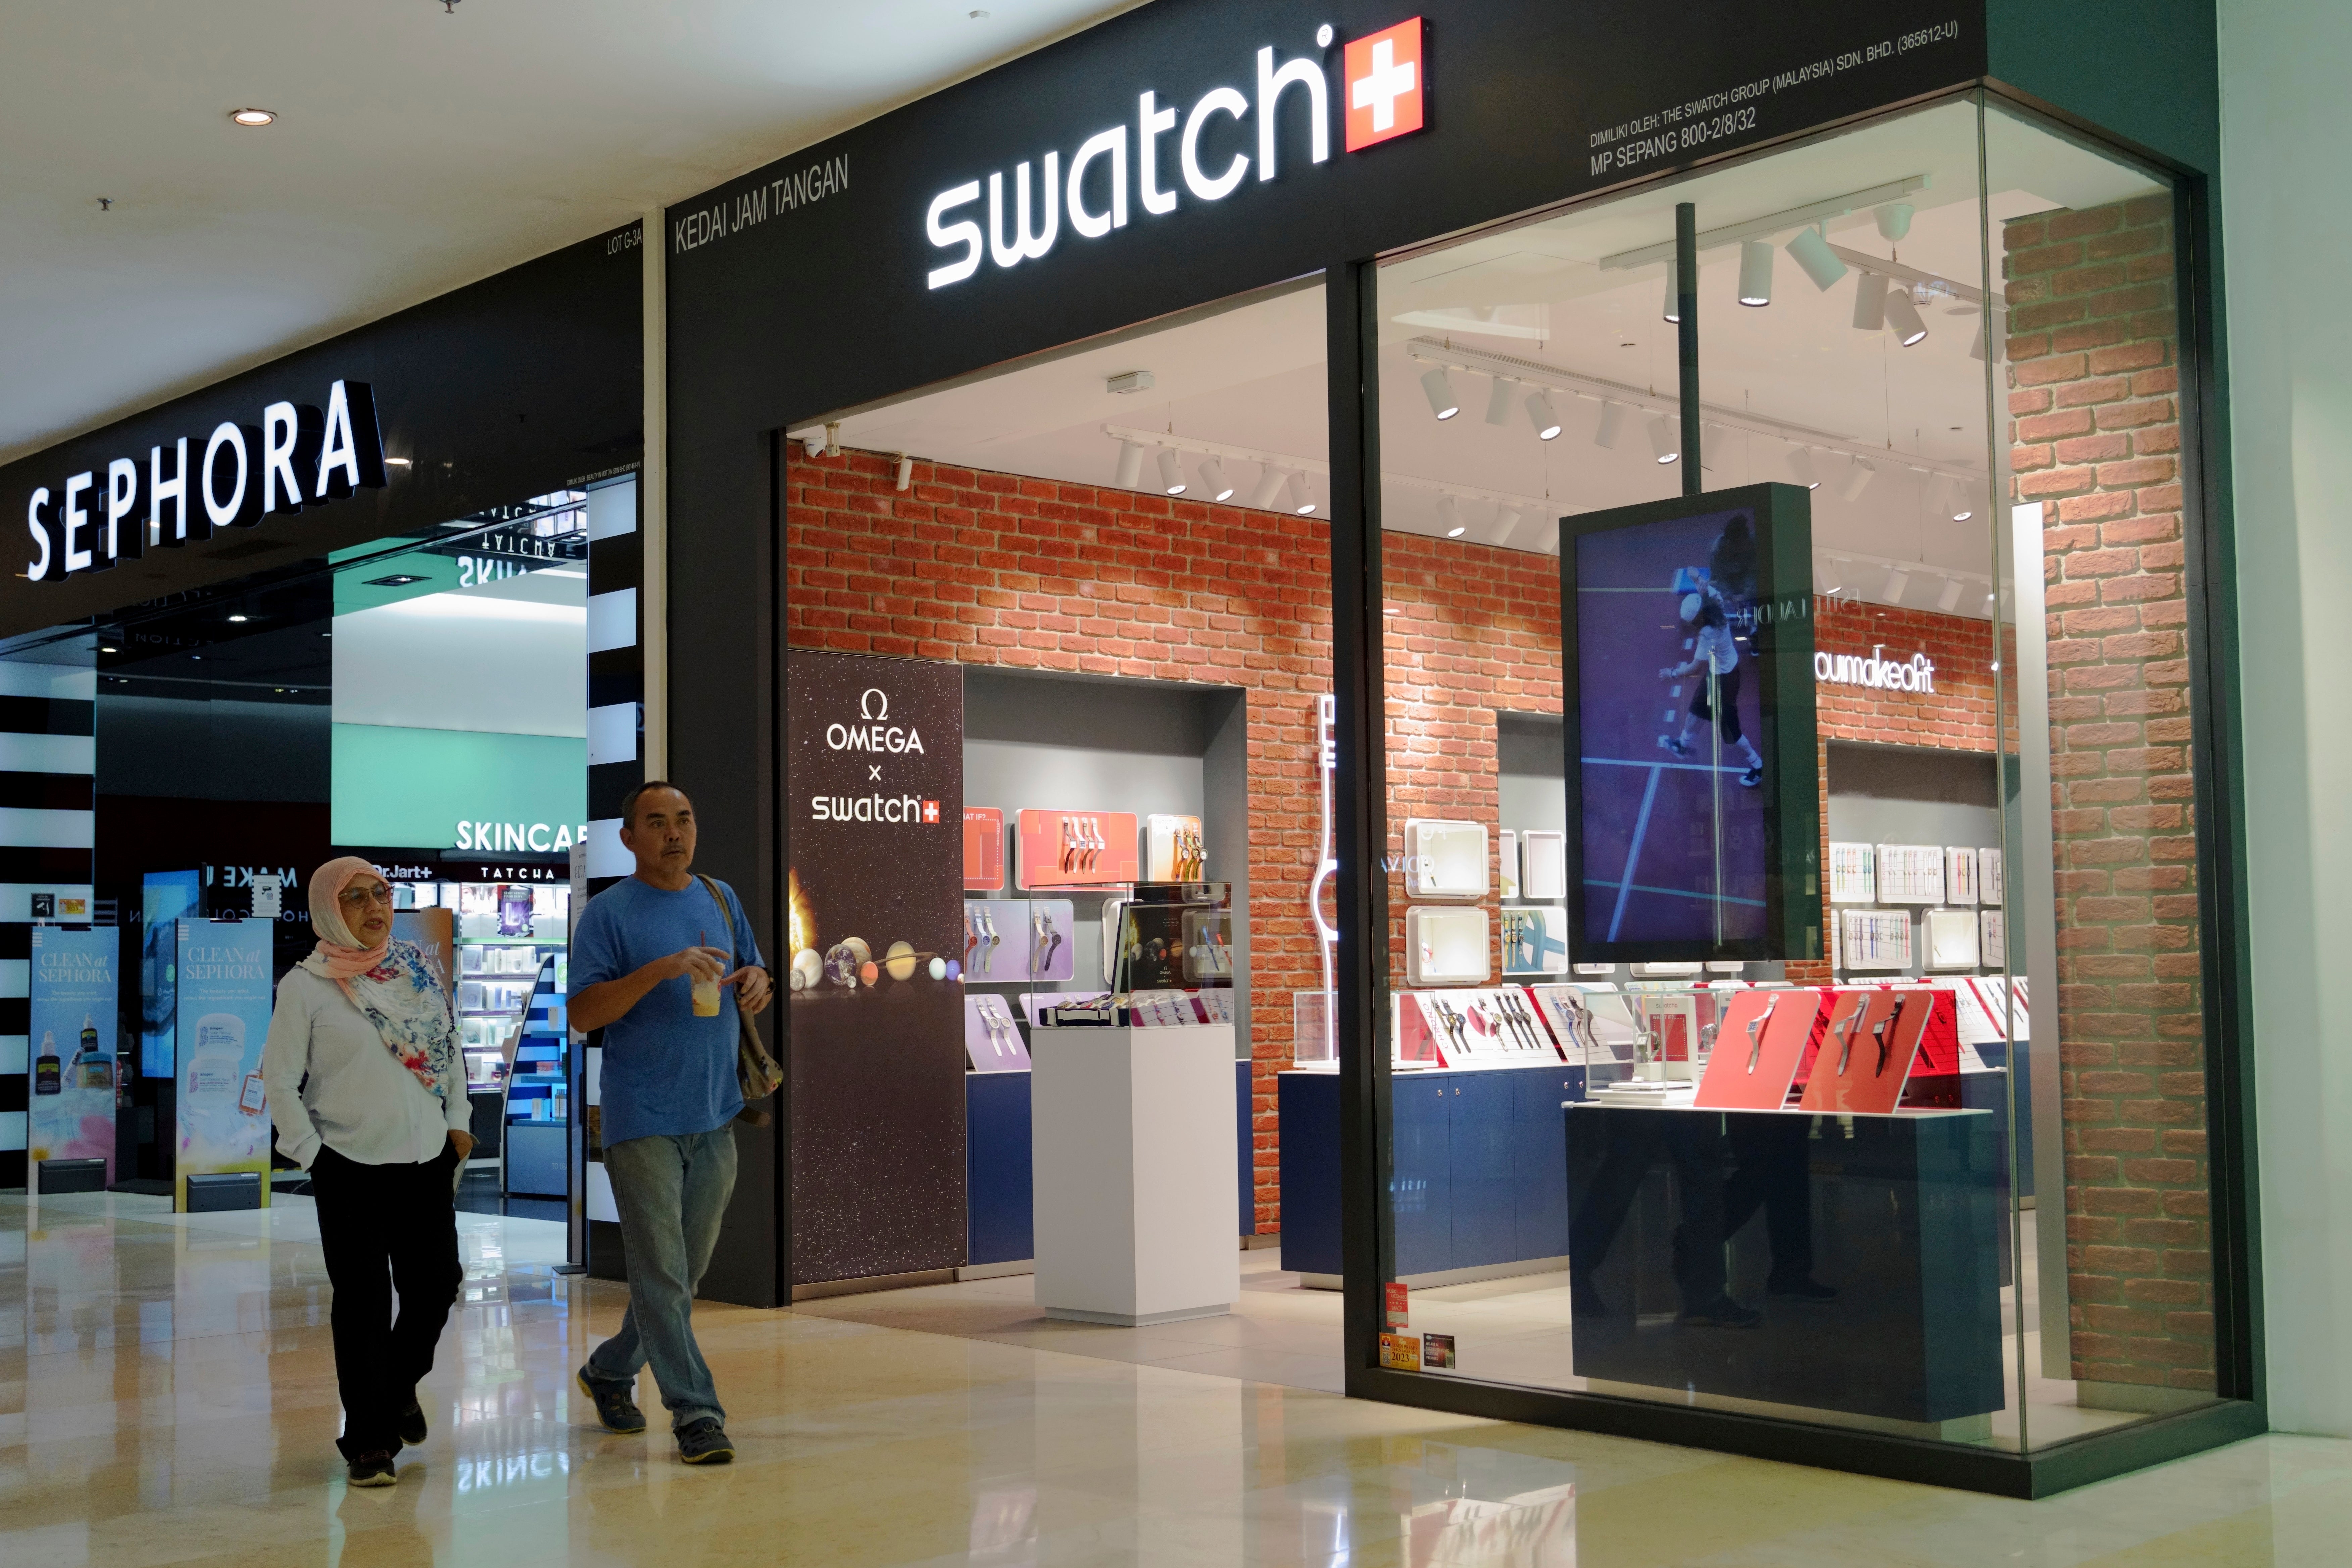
x,y
1673,718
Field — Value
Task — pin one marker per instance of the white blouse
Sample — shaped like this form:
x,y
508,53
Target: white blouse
x,y
359,1099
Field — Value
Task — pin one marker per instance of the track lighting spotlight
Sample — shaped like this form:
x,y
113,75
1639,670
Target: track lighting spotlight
x,y
1498,401
1893,221
1869,302
1801,468
1963,508
1300,502
1985,344
1449,517
1904,317
1129,474
1662,439
1439,388
1269,486
1540,411
1811,252
1710,442
1213,482
905,472
1507,523
1833,576
1897,581
1171,472
1949,599
1859,474
1756,272
1670,311
1612,417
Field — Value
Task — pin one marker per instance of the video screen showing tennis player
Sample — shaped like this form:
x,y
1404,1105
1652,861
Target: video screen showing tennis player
x,y
1674,849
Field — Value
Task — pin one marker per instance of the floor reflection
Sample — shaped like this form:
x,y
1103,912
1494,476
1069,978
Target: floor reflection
x,y
167,1398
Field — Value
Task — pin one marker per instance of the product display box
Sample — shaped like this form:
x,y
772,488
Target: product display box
x,y
1535,939
1174,850
992,1035
1760,1042
1444,859
1173,936
1447,946
1019,939
1881,1048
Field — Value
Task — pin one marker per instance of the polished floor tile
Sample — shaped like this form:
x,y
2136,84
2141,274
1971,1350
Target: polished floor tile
x,y
167,1401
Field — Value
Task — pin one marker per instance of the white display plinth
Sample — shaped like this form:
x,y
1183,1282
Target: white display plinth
x,y
1132,1149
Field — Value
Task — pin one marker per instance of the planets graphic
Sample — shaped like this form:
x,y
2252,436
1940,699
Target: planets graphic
x,y
808,969
938,969
869,971
900,960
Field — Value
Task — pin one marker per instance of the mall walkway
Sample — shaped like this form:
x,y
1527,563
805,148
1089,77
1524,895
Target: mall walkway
x,y
166,1397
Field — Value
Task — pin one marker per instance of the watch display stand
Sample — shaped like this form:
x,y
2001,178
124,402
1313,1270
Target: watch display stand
x,y
1593,1024
1543,856
992,1035
1959,876
1910,874
1174,849
1874,939
1446,946
1076,850
1989,881
1444,859
1474,1028
1992,939
1853,874
1870,1046
1759,1045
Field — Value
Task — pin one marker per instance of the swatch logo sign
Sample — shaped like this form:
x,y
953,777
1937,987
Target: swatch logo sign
x,y
874,732
1122,164
299,455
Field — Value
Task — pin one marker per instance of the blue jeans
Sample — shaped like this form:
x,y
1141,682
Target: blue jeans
x,y
671,1192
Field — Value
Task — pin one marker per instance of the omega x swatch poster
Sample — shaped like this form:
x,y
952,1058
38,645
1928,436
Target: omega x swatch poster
x,y
874,843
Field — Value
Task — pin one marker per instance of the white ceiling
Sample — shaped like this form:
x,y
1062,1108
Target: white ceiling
x,y
1251,379
415,150
509,657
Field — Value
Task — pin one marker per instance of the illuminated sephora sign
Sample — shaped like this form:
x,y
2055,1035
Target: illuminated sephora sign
x,y
299,455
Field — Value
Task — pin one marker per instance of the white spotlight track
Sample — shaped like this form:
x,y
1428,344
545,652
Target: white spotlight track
x,y
1663,439
1130,474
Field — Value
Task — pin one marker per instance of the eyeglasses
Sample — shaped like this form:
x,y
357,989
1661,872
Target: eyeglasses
x,y
379,894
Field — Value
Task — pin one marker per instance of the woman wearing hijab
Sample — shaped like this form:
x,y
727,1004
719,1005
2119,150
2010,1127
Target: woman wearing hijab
x,y
365,1087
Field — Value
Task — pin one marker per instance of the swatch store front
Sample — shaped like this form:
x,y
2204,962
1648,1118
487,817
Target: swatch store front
x,y
337,604
1530,692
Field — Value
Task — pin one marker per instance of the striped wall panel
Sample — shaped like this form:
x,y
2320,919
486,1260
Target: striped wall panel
x,y
49,754
616,694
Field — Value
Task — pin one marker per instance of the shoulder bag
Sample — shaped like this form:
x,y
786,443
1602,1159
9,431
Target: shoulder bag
x,y
756,1072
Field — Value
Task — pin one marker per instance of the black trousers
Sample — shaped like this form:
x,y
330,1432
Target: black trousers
x,y
385,1228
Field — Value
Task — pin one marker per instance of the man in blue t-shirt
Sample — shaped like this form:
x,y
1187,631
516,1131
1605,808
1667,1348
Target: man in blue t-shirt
x,y
641,949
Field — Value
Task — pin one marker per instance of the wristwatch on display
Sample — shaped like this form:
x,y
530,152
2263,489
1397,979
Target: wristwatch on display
x,y
1756,1032
989,941
1845,1040
1884,1036
1045,941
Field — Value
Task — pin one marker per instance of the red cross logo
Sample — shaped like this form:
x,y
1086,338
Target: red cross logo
x,y
1384,85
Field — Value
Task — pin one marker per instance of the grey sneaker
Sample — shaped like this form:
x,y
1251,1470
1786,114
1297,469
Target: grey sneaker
x,y
373,1469
411,1424
703,1441
616,1410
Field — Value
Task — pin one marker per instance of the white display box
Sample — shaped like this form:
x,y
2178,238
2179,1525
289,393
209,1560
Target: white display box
x,y
1444,859
1959,876
1535,939
1911,874
1506,864
1133,1154
1853,873
1952,938
1446,947
1543,863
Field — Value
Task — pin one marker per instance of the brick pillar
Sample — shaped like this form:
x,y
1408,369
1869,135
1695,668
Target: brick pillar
x,y
2094,380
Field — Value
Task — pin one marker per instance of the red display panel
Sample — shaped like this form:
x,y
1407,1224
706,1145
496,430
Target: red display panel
x,y
1077,849
1866,1055
1762,1038
984,849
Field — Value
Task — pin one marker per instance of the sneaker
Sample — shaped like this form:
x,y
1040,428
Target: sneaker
x,y
1803,1289
704,1442
616,1410
410,1424
1723,1312
1675,744
1753,777
373,1469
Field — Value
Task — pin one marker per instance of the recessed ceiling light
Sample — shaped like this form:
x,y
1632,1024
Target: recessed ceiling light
x,y
240,618
395,462
109,650
397,580
253,116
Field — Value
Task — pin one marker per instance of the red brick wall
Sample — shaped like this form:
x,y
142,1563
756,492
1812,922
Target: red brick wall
x,y
2093,379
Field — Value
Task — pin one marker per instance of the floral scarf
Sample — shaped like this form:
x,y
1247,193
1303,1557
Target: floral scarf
x,y
405,1002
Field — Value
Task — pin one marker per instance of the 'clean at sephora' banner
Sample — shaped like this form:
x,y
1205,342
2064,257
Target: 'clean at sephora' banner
x,y
71,986
224,1017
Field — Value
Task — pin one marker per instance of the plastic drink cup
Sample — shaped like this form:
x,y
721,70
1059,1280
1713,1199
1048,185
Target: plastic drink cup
x,y
706,995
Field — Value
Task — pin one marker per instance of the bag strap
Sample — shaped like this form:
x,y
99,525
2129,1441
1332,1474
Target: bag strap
x,y
726,916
